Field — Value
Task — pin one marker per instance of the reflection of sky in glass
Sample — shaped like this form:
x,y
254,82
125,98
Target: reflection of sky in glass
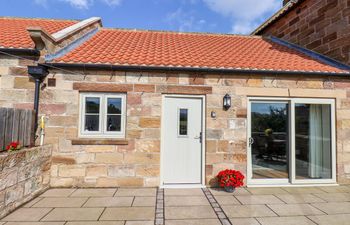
x,y
92,105
264,108
114,105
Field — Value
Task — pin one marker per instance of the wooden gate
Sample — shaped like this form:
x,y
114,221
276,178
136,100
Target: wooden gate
x,y
16,125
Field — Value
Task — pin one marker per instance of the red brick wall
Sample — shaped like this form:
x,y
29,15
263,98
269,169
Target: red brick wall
x,y
319,25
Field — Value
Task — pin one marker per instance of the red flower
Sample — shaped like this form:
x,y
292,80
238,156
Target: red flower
x,y
13,146
230,178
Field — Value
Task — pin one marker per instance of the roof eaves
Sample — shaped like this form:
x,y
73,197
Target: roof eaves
x,y
195,69
319,57
20,51
284,10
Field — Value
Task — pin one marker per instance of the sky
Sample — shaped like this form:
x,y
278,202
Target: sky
x,y
215,16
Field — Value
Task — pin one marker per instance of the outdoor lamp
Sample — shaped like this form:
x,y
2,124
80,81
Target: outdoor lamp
x,y
227,101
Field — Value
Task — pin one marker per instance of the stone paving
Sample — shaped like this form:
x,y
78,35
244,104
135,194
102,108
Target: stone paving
x,y
151,206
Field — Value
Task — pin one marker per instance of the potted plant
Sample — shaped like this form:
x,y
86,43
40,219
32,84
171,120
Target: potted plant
x,y
13,146
230,179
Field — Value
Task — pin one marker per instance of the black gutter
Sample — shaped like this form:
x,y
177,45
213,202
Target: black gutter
x,y
20,51
191,69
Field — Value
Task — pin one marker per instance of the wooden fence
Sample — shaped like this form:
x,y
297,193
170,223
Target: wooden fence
x,y
16,125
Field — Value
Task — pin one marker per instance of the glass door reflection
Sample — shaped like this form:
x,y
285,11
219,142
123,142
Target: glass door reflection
x,y
269,140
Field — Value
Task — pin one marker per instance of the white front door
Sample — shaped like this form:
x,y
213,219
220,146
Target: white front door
x,y
182,141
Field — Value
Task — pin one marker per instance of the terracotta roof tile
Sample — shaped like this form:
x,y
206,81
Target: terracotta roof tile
x,y
14,34
156,48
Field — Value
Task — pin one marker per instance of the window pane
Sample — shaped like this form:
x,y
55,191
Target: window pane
x,y
183,121
92,122
114,105
269,143
313,141
92,105
113,123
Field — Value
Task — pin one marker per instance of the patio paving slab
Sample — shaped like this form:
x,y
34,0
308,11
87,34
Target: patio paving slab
x,y
193,222
34,223
334,197
183,192
220,191
58,192
339,219
89,192
27,214
188,212
32,202
258,199
129,213
299,220
136,192
266,191
299,198
333,207
295,209
96,223
303,190
74,214
227,200
139,222
186,200
144,201
234,211
60,202
244,221
336,189
109,202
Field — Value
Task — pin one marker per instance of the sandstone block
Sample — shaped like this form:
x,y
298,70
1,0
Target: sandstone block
x,y
148,171
60,159
61,182
23,83
149,122
99,148
14,193
71,171
115,158
147,145
96,171
121,171
142,158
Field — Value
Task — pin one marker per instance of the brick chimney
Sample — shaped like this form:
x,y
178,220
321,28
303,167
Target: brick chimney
x,y
285,2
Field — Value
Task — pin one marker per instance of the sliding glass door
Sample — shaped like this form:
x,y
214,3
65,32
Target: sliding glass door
x,y
291,141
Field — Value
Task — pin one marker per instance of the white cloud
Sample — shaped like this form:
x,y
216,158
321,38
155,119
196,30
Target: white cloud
x,y
112,2
185,20
41,2
245,14
79,4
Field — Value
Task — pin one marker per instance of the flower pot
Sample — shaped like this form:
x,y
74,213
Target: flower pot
x,y
229,189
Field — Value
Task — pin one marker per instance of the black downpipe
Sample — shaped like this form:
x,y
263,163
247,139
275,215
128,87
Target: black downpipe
x,y
36,104
38,73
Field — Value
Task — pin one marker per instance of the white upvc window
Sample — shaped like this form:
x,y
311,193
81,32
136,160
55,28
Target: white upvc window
x,y
102,115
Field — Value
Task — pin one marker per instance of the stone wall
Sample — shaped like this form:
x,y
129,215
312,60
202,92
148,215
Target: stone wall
x,y
23,175
135,161
319,25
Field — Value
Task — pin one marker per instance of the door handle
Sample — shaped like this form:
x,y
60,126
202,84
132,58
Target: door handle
x,y
199,137
251,141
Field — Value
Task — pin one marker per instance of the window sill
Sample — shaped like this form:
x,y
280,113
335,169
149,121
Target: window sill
x,y
96,141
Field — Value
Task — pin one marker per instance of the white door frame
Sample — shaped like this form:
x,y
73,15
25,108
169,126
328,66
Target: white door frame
x,y
202,97
291,180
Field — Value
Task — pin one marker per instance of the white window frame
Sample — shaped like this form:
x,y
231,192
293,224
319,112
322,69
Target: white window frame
x,y
102,132
291,180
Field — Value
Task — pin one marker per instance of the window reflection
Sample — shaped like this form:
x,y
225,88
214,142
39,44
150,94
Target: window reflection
x,y
269,127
